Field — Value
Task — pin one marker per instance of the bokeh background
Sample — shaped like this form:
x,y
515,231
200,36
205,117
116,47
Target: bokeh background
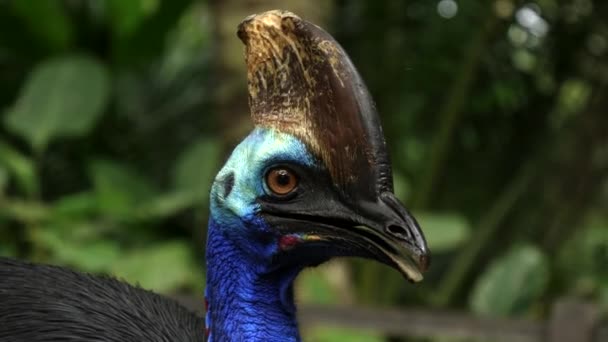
x,y
115,115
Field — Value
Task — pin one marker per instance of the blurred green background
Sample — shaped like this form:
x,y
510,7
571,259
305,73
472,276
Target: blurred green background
x,y
115,115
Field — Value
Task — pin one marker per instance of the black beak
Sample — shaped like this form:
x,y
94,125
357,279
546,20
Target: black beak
x,y
383,230
396,236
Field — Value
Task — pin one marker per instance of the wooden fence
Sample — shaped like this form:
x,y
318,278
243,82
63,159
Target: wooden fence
x,y
570,321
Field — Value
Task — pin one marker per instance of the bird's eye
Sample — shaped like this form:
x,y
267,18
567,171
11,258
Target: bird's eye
x,y
281,181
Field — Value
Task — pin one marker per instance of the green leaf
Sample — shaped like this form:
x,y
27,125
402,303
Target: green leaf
x,y
166,205
196,167
24,211
443,231
20,167
62,97
150,34
67,246
119,189
512,283
46,20
162,267
582,260
126,16
75,205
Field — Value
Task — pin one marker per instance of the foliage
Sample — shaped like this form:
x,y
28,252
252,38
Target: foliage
x,y
512,283
117,215
581,263
497,116
441,238
63,97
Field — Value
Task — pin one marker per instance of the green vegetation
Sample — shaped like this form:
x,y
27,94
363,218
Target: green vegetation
x,y
115,116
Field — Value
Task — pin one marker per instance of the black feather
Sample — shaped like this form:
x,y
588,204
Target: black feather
x,y
47,303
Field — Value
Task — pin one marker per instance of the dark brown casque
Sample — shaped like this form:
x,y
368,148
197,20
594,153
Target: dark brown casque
x,y
302,82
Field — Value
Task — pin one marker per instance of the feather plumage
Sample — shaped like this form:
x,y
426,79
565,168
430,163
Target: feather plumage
x,y
48,303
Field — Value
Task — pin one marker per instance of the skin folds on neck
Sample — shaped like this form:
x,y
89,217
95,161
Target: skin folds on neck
x,y
245,303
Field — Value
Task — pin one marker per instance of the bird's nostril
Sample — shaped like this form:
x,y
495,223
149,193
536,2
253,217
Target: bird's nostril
x,y
398,231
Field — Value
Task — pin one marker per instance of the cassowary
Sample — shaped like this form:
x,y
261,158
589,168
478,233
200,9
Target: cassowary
x,y
311,182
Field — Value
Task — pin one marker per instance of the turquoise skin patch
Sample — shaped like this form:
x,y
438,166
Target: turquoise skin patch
x,y
246,167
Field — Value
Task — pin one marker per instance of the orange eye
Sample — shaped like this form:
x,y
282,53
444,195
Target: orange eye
x,y
281,181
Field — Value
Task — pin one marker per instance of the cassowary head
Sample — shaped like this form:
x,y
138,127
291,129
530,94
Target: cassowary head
x,y
313,180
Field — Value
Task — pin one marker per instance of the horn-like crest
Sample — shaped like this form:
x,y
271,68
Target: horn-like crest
x,y
302,82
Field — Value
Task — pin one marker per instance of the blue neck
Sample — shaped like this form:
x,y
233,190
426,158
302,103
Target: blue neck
x,y
246,302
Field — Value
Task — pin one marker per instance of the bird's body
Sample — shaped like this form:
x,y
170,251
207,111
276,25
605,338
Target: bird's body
x,y
311,182
46,303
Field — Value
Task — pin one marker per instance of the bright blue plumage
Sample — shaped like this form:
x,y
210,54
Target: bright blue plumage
x,y
244,302
245,294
